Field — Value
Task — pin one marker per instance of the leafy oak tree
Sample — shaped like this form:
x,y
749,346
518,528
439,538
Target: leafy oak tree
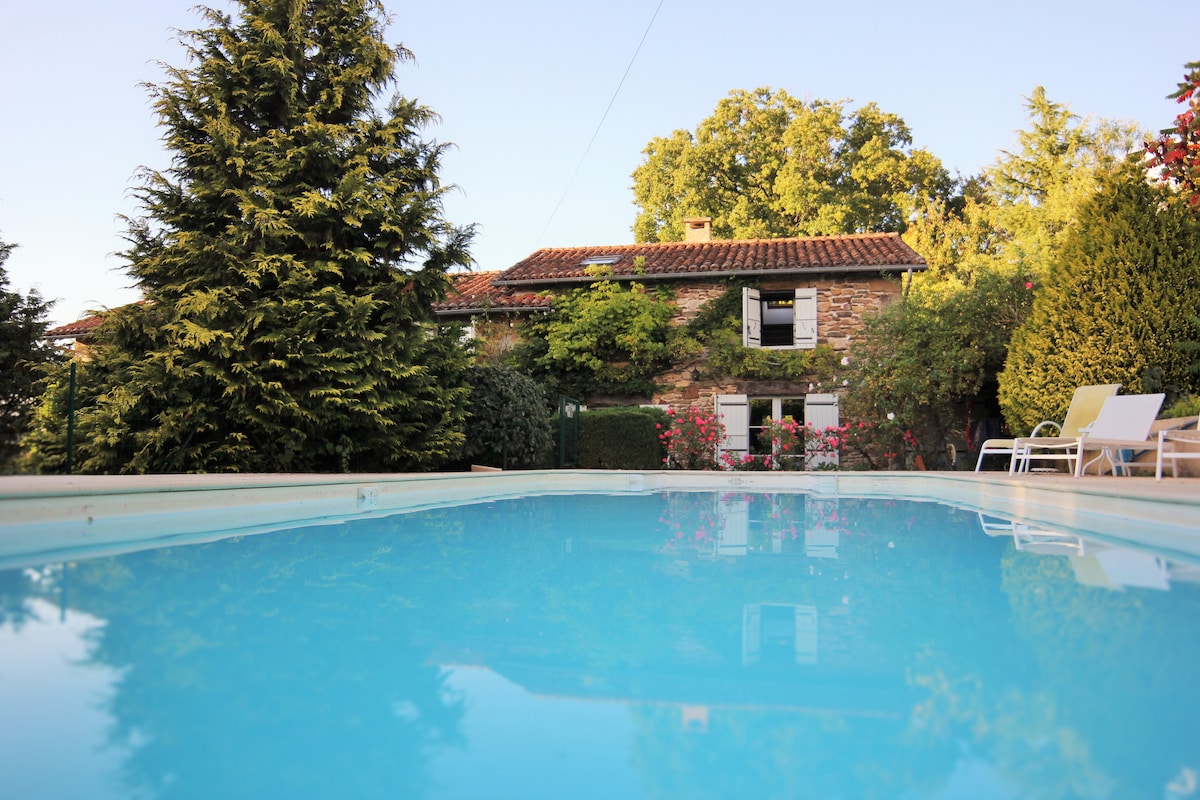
x,y
22,351
766,164
289,258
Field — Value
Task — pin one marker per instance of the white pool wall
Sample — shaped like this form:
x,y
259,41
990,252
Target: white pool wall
x,y
51,518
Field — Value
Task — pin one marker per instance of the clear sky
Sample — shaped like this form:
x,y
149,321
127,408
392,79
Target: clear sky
x,y
521,87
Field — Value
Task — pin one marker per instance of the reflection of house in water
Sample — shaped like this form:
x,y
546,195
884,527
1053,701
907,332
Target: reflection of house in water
x,y
739,519
751,607
776,634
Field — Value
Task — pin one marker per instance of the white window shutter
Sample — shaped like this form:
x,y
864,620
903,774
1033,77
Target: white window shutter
x,y
804,319
751,633
821,411
733,533
751,318
733,410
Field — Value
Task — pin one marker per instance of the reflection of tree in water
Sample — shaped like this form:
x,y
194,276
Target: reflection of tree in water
x,y
301,663
269,666
17,586
1112,665
909,580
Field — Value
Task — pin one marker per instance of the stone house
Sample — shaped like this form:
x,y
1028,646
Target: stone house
x,y
78,337
809,291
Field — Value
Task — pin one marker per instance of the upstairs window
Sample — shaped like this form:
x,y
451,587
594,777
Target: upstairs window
x,y
779,319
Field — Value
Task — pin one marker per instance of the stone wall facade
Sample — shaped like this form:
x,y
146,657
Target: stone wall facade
x,y
841,303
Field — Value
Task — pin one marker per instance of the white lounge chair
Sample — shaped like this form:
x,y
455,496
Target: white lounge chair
x,y
1123,425
1168,447
1085,407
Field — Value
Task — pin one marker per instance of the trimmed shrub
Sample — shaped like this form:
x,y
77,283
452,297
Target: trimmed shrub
x,y
621,438
507,422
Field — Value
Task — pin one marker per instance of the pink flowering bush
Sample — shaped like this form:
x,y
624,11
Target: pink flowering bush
x,y
792,446
692,438
748,462
879,445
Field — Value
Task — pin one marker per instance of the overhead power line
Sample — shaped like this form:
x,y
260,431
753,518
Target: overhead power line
x,y
596,133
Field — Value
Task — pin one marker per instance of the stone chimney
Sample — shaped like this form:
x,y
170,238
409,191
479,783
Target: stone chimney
x,y
697,229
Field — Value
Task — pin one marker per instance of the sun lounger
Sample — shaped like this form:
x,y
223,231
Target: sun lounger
x,y
1122,425
1168,447
1085,406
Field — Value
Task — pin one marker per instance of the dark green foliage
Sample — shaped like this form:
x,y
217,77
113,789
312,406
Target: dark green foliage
x,y
621,438
507,424
608,338
290,256
44,448
728,356
1191,348
1115,305
721,313
921,359
22,352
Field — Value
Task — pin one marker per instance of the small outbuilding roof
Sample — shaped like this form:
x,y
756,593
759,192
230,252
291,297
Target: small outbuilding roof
x,y
476,292
73,330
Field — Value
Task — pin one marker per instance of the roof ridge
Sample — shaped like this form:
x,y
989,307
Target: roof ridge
x,y
760,240
473,273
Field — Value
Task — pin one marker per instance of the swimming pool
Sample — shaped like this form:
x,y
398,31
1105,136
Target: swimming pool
x,y
604,636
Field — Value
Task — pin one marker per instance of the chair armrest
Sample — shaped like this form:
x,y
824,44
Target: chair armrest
x,y
1040,425
1178,435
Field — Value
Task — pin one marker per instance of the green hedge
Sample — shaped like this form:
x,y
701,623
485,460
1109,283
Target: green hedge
x,y
621,438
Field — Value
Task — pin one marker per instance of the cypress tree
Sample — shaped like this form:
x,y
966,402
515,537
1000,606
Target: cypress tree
x,y
22,353
1115,305
289,258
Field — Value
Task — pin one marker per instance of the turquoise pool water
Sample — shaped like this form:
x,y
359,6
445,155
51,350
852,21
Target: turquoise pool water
x,y
663,645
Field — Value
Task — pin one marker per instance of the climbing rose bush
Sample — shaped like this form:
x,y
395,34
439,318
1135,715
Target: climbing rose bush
x,y
692,437
792,446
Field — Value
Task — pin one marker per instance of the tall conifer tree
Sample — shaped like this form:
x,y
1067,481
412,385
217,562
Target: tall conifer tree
x,y
22,323
1117,301
289,258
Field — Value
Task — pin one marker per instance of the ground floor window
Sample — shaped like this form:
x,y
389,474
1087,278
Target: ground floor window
x,y
775,408
744,418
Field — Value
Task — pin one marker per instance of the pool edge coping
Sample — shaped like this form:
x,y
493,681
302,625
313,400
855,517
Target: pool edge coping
x,y
92,515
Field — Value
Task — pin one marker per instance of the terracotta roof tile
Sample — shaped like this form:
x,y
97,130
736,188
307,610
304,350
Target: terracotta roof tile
x,y
75,329
859,252
475,291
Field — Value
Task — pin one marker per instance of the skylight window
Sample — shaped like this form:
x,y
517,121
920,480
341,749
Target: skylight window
x,y
592,261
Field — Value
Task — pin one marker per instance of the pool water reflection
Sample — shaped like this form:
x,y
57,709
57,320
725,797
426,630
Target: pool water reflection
x,y
689,644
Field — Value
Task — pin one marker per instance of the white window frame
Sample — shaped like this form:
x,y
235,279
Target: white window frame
x,y
733,410
804,319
